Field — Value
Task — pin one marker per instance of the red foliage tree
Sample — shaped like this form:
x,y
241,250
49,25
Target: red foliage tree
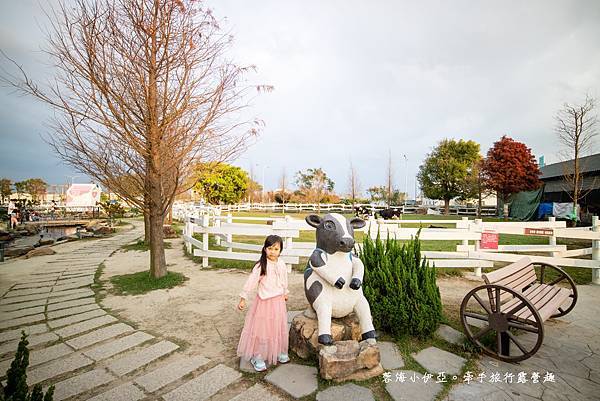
x,y
510,168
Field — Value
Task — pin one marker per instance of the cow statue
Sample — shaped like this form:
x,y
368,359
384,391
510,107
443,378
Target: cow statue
x,y
333,276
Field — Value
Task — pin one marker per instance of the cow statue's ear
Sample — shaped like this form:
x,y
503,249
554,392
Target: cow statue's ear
x,y
357,223
313,220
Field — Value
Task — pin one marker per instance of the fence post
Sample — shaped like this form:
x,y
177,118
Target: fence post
x,y
229,236
288,242
478,224
552,239
217,223
189,231
595,251
205,224
465,242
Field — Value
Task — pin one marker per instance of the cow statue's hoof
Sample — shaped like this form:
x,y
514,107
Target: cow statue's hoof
x,y
369,335
340,283
355,284
325,339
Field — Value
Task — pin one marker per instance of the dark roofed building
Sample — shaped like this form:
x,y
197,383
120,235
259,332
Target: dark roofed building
x,y
556,188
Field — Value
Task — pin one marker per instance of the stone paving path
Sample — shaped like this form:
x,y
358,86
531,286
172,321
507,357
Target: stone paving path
x,y
89,354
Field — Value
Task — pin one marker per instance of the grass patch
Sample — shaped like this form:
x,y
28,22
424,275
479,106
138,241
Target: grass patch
x,y
142,246
142,282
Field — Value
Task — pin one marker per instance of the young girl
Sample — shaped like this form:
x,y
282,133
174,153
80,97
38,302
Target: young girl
x,y
265,333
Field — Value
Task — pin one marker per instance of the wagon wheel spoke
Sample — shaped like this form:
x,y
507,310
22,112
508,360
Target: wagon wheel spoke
x,y
499,342
482,332
480,301
514,310
561,310
528,328
497,309
517,343
476,316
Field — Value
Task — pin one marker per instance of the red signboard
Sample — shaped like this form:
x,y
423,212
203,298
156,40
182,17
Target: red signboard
x,y
548,232
489,240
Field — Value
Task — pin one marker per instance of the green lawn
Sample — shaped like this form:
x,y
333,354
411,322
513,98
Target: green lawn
x,y
141,282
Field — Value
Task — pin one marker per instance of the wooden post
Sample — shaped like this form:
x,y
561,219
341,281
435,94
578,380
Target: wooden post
x,y
229,236
288,243
595,251
466,241
189,231
552,239
205,224
478,224
217,224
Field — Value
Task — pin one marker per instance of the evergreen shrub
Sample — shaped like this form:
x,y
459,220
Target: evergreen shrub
x,y
400,287
16,378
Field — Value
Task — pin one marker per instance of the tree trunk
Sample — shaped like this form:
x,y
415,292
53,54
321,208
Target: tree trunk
x,y
446,206
146,227
158,263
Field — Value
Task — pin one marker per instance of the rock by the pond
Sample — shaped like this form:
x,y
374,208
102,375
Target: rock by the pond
x,y
304,333
349,360
17,251
6,236
41,251
103,230
45,241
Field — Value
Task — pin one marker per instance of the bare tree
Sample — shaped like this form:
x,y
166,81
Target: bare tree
x,y
390,179
353,184
576,129
142,89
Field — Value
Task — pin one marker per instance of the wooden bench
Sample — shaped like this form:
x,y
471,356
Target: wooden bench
x,y
513,305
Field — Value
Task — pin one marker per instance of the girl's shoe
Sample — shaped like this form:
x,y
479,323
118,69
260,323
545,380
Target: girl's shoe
x,y
283,358
258,364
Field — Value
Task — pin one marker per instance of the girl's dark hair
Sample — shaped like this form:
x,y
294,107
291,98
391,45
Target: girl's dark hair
x,y
270,240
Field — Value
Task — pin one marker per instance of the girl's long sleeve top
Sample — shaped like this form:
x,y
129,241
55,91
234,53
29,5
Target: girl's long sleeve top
x,y
272,284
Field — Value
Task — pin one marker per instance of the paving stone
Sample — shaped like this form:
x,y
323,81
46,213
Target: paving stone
x,y
81,383
66,287
296,380
169,373
29,291
450,335
29,330
41,356
72,297
412,391
76,318
72,311
82,327
22,305
205,385
258,392
25,298
125,392
117,346
99,335
22,320
56,368
390,355
70,304
347,392
141,357
22,312
56,294
87,279
435,360
37,284
36,339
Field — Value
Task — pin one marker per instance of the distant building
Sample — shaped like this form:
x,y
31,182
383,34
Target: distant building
x,y
556,188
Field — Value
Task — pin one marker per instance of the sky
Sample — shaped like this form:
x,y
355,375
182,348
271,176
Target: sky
x,y
357,81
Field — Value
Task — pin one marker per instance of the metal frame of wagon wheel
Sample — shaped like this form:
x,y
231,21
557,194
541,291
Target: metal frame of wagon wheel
x,y
501,322
563,276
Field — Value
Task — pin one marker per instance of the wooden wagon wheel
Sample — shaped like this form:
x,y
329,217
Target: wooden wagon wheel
x,y
483,305
563,276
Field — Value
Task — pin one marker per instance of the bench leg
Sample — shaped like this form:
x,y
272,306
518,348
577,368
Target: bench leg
x,y
504,344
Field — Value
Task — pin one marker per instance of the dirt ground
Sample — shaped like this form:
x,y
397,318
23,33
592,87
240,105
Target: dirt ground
x,y
202,312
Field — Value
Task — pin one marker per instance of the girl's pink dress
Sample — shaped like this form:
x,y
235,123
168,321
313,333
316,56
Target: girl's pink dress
x,y
265,332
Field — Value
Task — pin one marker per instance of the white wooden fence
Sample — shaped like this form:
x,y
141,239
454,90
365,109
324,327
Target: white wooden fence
x,y
468,254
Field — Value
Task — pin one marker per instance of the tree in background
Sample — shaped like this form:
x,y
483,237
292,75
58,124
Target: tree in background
x,y
142,88
510,168
576,129
36,188
221,183
381,194
446,170
353,184
314,184
5,189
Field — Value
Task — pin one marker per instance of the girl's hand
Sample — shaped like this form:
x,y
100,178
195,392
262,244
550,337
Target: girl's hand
x,y
242,304
285,297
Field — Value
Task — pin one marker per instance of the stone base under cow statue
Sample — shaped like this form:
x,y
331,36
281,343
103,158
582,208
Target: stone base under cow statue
x,y
347,359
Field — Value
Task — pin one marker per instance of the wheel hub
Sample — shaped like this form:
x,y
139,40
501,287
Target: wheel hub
x,y
498,322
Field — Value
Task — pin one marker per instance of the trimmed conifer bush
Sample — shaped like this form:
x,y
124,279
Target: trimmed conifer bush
x,y
400,287
16,378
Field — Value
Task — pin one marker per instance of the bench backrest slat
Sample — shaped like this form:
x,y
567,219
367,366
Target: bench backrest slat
x,y
517,275
507,271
